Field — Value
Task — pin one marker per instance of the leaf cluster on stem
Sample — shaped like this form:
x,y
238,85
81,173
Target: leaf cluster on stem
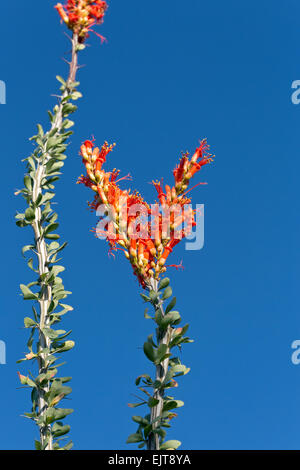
x,y
46,344
151,431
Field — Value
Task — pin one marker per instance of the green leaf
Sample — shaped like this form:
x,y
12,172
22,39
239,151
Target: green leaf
x,y
28,182
184,329
51,228
147,430
135,405
57,388
27,248
180,369
145,297
29,323
73,84
49,333
170,318
52,142
66,346
170,445
158,316
150,340
157,384
47,197
40,130
49,180
52,236
61,80
152,402
61,413
37,445
161,352
29,214
67,124
54,414
167,293
66,308
133,438
21,223
59,429
171,305
140,420
146,314
164,283
52,167
53,246
63,336
68,446
149,351
76,95
34,313
30,265
27,293
143,376
57,269
68,108
153,295
171,404
30,382
30,161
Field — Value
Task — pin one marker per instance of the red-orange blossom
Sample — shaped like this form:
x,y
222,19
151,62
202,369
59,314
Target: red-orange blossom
x,y
146,247
81,15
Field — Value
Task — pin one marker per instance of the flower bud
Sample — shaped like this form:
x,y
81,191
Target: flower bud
x,y
84,152
91,176
30,356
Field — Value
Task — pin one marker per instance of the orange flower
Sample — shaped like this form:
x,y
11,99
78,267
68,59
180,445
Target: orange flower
x,y
62,13
146,247
81,15
187,168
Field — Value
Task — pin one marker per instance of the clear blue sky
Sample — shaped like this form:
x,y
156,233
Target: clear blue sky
x,y
170,74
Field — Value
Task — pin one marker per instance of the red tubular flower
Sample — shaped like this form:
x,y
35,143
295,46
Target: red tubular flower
x,y
181,168
187,168
146,249
199,159
62,13
161,194
81,15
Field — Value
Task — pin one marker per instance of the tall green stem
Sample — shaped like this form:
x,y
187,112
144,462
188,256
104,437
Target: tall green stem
x,y
43,254
151,430
163,337
42,171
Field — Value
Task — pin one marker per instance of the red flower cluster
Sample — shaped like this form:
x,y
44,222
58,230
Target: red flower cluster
x,y
81,15
125,215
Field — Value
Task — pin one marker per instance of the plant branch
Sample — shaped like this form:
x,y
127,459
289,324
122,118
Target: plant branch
x,y
43,166
151,430
163,337
41,247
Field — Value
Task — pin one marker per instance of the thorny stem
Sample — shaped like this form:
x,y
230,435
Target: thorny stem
x,y
43,256
163,337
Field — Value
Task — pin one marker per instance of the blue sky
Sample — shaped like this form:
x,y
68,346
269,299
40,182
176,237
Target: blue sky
x,y
169,75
